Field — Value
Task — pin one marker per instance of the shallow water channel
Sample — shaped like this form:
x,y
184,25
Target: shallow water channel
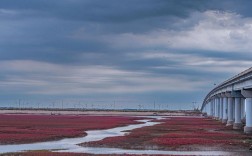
x,y
71,144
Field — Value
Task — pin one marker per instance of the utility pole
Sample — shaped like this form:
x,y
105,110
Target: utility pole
x,y
139,106
154,105
53,104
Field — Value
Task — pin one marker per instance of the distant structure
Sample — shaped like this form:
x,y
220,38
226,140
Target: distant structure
x,y
231,101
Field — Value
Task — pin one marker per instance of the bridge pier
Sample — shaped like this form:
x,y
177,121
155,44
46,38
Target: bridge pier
x,y
213,108
216,108
248,127
237,103
243,110
237,123
248,106
230,112
208,108
224,119
230,120
221,109
206,112
233,109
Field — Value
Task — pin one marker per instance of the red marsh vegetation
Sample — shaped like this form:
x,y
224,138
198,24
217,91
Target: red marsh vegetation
x,y
23,128
180,133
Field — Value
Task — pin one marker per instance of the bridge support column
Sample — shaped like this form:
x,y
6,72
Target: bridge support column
x,y
248,106
248,127
217,108
233,109
211,108
224,119
237,123
221,109
230,110
243,110
237,111
208,108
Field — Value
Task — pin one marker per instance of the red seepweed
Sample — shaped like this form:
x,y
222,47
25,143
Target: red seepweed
x,y
34,128
176,132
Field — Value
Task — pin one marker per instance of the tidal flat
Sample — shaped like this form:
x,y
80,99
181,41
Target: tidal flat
x,y
189,134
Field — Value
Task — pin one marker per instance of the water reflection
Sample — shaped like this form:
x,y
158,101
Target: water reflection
x,y
94,150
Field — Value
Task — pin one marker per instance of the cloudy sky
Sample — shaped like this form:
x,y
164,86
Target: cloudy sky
x,y
127,52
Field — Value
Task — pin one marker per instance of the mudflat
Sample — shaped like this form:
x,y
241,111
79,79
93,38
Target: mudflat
x,y
181,132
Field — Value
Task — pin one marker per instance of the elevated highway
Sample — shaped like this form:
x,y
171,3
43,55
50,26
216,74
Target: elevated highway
x,y
231,101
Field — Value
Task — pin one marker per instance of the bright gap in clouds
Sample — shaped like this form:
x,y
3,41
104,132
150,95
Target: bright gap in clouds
x,y
211,31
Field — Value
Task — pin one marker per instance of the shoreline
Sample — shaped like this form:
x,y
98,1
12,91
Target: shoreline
x,y
99,112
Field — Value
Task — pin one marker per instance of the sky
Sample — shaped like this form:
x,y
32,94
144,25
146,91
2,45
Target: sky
x,y
143,54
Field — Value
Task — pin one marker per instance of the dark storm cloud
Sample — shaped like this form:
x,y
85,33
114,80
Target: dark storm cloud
x,y
112,11
46,39
113,16
120,10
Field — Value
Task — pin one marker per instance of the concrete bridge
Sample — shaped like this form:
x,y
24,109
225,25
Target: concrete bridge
x,y
231,101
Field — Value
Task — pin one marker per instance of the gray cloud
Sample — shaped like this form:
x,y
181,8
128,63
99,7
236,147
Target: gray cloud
x,y
97,10
141,50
